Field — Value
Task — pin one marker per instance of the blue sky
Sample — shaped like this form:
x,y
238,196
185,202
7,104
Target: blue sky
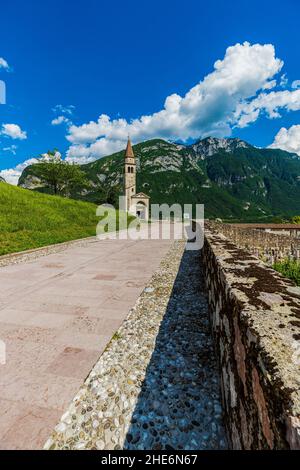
x,y
123,59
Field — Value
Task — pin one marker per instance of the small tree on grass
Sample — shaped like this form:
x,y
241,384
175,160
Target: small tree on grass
x,y
59,175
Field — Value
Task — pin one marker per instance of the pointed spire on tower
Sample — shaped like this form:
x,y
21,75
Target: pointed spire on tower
x,y
129,152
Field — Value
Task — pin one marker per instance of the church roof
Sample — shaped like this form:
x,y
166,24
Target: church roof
x,y
141,196
129,151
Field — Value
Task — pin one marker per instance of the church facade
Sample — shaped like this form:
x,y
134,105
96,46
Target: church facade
x,y
135,203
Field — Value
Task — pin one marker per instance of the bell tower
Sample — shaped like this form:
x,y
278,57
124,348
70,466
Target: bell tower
x,y
130,175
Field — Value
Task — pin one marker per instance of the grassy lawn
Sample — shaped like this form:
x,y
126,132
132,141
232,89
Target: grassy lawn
x,y
289,268
30,219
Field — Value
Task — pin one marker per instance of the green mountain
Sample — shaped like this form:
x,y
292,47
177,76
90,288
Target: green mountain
x,y
232,178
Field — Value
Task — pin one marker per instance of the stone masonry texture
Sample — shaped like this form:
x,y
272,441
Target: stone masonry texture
x,y
255,317
270,247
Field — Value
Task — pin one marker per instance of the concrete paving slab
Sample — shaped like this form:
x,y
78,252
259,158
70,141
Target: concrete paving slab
x,y
57,314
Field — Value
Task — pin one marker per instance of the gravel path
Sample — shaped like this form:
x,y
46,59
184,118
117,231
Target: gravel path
x,y
156,386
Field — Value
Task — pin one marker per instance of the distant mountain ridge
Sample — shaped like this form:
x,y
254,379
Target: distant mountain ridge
x,y
231,177
211,145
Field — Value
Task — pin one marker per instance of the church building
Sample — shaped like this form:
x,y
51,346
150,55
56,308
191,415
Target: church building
x,y
135,203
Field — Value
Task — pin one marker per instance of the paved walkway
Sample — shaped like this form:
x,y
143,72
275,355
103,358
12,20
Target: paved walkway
x,y
156,386
57,314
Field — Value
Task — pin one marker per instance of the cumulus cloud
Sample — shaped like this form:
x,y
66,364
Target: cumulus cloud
x,y
209,108
12,175
3,64
288,139
270,104
13,131
86,154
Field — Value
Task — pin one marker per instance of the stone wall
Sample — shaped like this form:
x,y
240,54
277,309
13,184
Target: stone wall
x,y
270,247
255,317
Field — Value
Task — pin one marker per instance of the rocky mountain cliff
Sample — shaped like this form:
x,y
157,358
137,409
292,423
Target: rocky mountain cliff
x,y
211,146
232,178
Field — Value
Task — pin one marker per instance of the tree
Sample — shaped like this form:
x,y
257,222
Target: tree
x,y
296,219
59,175
110,195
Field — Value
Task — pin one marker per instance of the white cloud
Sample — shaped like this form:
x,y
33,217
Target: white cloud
x,y
60,120
13,131
3,64
209,108
64,114
269,85
283,81
12,175
269,103
288,139
59,108
12,149
296,84
86,154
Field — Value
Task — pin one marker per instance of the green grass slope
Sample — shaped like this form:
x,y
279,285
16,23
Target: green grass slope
x,y
29,219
